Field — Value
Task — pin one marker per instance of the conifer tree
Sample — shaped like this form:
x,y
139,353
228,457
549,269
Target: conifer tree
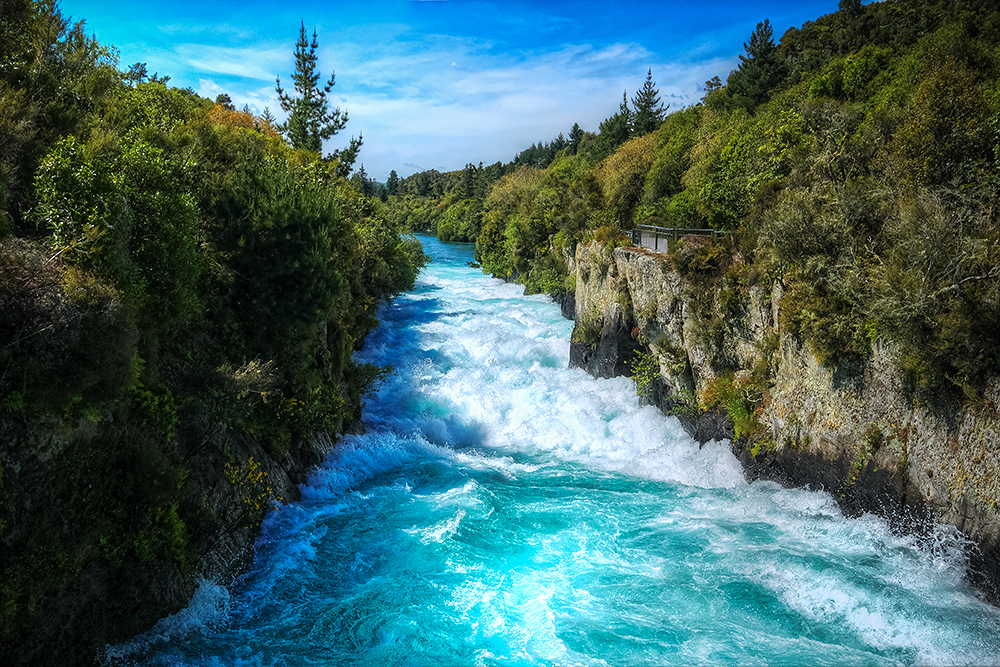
x,y
310,120
392,184
362,183
468,181
615,129
648,111
759,71
575,135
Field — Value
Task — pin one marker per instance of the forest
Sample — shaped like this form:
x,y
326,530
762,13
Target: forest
x,y
182,285
856,160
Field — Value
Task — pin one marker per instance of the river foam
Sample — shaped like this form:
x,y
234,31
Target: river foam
x,y
503,509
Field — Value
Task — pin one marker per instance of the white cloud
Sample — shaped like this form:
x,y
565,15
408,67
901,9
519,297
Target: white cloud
x,y
442,101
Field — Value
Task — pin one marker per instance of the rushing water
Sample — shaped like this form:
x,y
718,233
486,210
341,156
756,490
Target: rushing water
x,y
505,510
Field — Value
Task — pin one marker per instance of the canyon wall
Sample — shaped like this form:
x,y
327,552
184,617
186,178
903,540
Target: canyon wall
x,y
853,430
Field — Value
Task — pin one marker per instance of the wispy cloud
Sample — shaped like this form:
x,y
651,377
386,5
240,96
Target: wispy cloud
x,y
443,100
440,84
251,63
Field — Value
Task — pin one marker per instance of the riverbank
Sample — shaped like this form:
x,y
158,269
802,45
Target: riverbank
x,y
725,366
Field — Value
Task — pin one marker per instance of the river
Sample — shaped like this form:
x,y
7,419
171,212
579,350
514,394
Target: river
x,y
503,509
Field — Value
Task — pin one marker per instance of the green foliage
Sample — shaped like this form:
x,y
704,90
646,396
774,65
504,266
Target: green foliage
x,y
587,330
695,256
151,243
309,119
675,139
622,178
946,138
253,490
862,70
280,239
832,326
610,236
741,397
60,322
645,369
935,293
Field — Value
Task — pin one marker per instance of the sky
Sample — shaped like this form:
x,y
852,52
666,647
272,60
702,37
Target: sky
x,y
437,84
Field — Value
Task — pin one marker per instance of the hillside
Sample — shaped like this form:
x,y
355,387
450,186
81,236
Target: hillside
x,y
844,329
181,291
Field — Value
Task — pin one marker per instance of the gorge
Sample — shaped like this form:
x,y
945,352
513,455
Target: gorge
x,y
853,429
503,509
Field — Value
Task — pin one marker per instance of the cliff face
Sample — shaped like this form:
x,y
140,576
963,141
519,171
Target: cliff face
x,y
851,430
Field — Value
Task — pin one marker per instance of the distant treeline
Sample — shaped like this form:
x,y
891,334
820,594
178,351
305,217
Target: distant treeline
x,y
857,160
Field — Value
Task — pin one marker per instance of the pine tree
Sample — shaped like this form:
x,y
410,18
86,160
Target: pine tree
x,y
760,70
392,184
309,119
648,111
850,7
468,181
362,183
615,129
575,135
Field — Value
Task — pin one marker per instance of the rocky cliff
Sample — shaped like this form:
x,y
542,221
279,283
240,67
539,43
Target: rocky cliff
x,y
718,358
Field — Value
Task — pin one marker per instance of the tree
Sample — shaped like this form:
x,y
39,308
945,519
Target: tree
x,y
136,74
850,7
225,102
362,183
712,85
648,111
392,183
575,135
468,181
309,119
615,130
760,70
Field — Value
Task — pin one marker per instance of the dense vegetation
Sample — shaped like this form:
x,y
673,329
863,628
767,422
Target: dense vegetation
x,y
856,161
176,280
179,278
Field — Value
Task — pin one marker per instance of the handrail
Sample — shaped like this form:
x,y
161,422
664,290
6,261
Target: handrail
x,y
669,233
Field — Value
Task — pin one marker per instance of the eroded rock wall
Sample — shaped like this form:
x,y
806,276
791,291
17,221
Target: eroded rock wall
x,y
852,430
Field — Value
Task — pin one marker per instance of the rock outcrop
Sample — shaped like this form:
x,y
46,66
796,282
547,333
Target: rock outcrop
x,y
853,430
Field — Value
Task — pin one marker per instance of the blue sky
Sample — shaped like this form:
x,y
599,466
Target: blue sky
x,y
437,84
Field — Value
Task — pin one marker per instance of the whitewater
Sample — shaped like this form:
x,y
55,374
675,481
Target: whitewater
x,y
503,509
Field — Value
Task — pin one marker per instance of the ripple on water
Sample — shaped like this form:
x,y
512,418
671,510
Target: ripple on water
x,y
505,510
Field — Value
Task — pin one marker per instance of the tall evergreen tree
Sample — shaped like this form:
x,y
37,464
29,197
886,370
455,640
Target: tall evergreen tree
x,y
649,113
362,183
468,181
850,7
392,183
616,128
575,135
760,71
310,120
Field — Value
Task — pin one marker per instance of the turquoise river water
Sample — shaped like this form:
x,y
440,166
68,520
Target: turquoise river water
x,y
503,509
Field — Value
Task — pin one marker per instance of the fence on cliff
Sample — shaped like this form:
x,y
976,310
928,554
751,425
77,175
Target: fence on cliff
x,y
658,239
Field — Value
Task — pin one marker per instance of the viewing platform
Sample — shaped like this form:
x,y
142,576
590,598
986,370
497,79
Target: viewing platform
x,y
658,239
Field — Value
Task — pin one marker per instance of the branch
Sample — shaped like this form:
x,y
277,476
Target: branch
x,y
954,287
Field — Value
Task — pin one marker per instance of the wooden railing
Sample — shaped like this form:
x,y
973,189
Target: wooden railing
x,y
657,239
